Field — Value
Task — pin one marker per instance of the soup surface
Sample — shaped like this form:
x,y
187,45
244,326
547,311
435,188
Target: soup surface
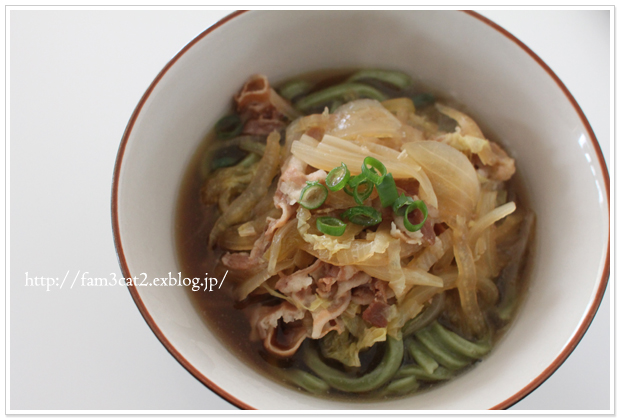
x,y
372,239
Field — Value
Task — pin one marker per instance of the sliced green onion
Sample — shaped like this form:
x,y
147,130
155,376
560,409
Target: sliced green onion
x,y
228,127
395,78
416,205
338,177
400,203
375,166
387,191
360,197
353,188
356,180
295,88
363,216
331,226
313,195
347,91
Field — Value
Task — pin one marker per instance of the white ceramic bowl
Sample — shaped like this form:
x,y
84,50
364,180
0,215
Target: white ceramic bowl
x,y
505,86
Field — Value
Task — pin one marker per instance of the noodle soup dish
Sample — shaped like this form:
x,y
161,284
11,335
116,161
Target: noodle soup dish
x,y
373,239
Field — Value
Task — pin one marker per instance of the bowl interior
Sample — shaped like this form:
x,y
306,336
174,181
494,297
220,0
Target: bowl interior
x,y
505,89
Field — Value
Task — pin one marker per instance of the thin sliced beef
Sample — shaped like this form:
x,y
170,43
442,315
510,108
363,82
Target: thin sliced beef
x,y
239,261
265,318
254,105
284,341
323,316
356,280
377,314
363,295
298,280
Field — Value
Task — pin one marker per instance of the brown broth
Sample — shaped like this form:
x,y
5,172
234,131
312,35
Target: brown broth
x,y
221,312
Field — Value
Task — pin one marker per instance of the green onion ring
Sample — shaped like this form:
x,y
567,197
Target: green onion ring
x,y
356,180
361,197
352,188
387,191
416,205
331,226
313,195
338,177
372,174
363,216
401,202
228,127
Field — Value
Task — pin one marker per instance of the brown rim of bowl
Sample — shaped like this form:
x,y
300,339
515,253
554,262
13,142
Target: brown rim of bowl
x,y
587,320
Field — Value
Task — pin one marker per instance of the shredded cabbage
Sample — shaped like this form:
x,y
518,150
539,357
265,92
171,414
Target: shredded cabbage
x,y
399,315
306,223
470,145
359,252
317,302
345,347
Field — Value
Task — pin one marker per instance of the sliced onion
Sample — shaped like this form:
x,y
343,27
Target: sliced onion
x,y
333,151
466,123
452,175
364,117
251,284
433,253
488,219
360,251
279,238
413,276
467,280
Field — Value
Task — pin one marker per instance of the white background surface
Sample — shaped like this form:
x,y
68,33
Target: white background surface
x,y
75,77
